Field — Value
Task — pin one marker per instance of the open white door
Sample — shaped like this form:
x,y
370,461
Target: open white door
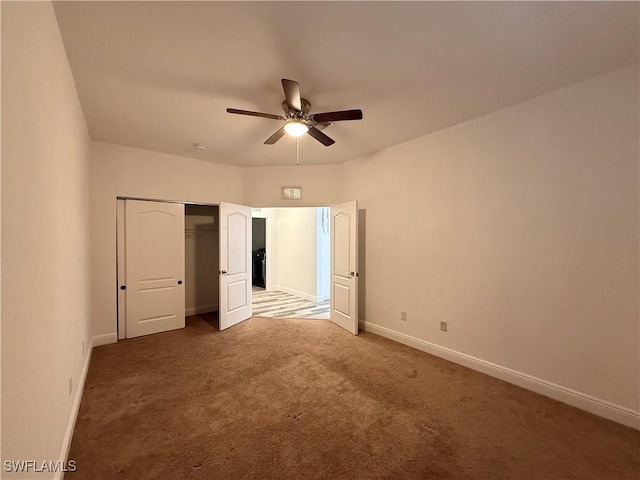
x,y
344,268
154,249
235,264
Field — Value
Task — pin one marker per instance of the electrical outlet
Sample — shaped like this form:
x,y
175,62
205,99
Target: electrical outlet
x,y
443,326
70,385
403,316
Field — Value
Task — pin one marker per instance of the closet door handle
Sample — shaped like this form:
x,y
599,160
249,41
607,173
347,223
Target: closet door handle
x,y
223,272
179,282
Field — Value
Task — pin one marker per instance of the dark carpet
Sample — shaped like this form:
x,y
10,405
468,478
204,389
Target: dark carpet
x,y
303,399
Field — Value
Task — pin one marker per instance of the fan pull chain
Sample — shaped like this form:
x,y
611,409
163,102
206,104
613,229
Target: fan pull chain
x,y
297,151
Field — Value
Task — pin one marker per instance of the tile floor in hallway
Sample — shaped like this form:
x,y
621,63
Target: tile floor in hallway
x,y
274,303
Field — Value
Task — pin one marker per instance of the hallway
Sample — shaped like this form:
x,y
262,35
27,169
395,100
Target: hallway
x,y
274,303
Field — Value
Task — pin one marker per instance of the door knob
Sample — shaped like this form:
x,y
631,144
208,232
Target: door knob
x,y
352,274
223,272
179,282
123,287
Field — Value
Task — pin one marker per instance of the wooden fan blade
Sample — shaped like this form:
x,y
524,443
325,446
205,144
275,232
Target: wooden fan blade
x,y
255,114
292,94
321,137
338,116
275,137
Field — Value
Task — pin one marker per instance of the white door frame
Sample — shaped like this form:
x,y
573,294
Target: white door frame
x,y
269,247
121,313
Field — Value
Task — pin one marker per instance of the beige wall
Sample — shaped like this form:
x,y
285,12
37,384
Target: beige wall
x,y
321,185
296,253
45,236
129,172
520,229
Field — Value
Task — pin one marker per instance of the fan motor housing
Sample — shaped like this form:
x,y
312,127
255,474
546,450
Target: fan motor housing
x,y
306,107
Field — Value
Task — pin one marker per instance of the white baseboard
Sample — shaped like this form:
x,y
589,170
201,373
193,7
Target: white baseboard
x,y
99,340
199,310
75,408
322,298
297,293
597,406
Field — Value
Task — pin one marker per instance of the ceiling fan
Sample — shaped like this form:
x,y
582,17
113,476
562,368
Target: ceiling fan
x,y
298,120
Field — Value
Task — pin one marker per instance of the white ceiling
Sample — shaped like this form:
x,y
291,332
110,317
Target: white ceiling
x,y
159,75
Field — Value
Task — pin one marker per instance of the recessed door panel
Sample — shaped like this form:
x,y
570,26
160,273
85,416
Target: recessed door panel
x,y
341,299
159,303
238,225
340,244
157,245
237,295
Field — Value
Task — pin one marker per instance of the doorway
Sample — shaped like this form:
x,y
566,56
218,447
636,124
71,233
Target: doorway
x,y
259,253
291,262
202,258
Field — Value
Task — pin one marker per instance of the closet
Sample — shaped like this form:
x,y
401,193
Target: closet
x,y
202,262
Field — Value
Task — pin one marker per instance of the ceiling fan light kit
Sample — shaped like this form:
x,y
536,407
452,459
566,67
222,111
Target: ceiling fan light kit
x,y
295,128
298,120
